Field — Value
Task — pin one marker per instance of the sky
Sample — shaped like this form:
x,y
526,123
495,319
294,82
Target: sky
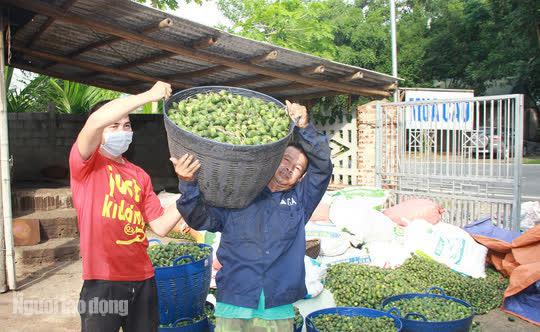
x,y
207,13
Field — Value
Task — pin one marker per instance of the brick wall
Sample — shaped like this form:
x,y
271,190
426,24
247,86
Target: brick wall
x,y
40,140
367,124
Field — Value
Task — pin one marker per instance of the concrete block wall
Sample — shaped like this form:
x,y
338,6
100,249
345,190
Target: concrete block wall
x,y
41,140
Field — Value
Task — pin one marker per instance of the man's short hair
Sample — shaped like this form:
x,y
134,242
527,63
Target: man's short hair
x,y
98,106
297,146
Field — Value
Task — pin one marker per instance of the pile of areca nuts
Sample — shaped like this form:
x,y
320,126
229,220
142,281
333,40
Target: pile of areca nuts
x,y
357,285
230,118
165,255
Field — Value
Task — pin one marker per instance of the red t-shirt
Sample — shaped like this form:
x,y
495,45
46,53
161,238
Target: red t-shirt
x,y
114,201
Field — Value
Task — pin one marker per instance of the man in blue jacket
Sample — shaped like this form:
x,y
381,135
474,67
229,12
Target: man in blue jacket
x,y
263,245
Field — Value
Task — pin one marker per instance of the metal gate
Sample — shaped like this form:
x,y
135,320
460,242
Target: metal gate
x,y
465,154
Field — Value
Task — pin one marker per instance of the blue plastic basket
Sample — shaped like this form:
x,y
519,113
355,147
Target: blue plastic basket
x,y
424,325
182,289
350,312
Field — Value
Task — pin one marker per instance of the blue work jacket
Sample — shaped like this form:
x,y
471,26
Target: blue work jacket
x,y
263,245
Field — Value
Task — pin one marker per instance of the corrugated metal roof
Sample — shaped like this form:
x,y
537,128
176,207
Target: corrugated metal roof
x,y
80,23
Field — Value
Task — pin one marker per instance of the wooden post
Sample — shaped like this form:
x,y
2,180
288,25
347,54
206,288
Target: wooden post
x,y
5,203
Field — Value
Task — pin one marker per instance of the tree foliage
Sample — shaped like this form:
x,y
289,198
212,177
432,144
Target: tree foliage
x,y
466,43
296,24
39,90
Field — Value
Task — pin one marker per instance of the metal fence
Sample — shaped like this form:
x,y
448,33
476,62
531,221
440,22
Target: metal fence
x,y
466,154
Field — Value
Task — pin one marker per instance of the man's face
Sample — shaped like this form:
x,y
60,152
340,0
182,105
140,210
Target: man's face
x,y
292,167
122,125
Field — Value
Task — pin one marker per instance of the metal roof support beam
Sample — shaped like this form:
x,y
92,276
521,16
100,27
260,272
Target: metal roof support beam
x,y
319,69
108,41
279,88
65,6
208,71
197,73
314,95
286,87
55,12
77,78
249,80
149,59
93,66
200,44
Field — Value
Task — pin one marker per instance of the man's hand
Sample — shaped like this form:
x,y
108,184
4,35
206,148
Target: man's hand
x,y
160,90
186,167
298,114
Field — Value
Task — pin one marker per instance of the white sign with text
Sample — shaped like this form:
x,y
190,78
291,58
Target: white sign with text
x,y
448,116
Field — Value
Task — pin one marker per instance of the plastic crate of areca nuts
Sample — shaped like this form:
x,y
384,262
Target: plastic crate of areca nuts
x,y
238,135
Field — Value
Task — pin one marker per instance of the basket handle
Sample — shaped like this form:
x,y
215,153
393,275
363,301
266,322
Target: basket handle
x,y
394,312
181,320
432,289
177,259
310,325
415,314
154,240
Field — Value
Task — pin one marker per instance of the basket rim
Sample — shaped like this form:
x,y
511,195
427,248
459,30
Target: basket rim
x,y
336,310
200,245
408,296
166,109
357,309
397,320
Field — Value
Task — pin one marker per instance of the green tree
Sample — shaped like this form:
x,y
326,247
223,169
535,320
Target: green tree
x,y
295,24
473,42
40,90
76,98
27,98
356,33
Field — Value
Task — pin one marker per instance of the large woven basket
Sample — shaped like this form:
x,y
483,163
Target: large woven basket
x,y
230,176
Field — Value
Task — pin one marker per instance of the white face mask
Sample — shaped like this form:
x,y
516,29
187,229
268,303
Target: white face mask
x,y
116,143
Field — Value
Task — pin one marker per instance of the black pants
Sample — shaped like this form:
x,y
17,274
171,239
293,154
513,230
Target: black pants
x,y
105,306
